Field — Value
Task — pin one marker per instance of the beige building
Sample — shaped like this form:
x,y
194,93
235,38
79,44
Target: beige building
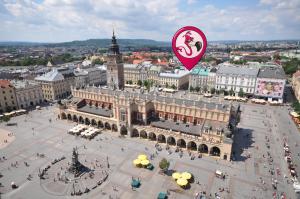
x,y
179,79
8,100
188,124
28,93
56,84
193,125
132,73
296,84
144,71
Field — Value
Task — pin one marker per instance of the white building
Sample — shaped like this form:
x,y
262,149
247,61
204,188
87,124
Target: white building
x,y
28,93
236,78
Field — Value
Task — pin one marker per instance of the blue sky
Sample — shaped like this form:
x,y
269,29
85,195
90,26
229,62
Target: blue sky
x,y
67,20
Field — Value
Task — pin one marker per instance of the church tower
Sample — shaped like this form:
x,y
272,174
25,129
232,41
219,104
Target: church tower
x,y
115,67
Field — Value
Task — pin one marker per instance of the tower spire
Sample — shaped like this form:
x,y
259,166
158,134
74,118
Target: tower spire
x,y
114,47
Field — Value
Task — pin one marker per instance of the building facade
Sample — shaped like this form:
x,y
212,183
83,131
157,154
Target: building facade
x,y
56,84
8,100
28,93
90,76
236,78
296,84
270,83
178,79
193,125
133,73
202,78
188,124
115,67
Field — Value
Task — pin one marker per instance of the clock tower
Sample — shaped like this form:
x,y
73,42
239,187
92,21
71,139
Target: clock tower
x,y
115,67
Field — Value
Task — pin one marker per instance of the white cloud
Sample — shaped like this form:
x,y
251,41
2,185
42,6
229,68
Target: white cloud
x,y
61,20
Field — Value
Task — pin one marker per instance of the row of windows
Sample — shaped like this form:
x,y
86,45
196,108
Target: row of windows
x,y
9,91
6,104
11,97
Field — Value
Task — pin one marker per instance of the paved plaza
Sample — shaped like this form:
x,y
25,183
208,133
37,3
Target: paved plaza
x,y
40,138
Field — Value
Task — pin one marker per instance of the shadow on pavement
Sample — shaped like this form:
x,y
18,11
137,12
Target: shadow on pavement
x,y
243,139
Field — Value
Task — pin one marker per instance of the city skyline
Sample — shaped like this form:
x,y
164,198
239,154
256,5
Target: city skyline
x,y
61,21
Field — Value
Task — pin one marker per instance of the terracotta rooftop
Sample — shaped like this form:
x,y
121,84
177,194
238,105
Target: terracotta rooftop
x,y
5,83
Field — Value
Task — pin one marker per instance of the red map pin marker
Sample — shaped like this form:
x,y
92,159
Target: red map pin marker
x,y
189,44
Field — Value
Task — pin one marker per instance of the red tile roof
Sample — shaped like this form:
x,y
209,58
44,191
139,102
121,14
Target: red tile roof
x,y
5,83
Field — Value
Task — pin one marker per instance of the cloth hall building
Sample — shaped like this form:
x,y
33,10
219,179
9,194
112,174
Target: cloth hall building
x,y
189,124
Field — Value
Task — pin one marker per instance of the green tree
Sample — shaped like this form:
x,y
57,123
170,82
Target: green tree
x,y
197,89
5,118
296,107
139,82
164,164
130,82
231,92
191,89
167,85
241,93
205,89
173,86
146,83
291,66
97,61
222,91
212,90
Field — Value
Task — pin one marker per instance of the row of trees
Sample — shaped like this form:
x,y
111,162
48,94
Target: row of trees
x,y
148,84
291,66
27,61
231,92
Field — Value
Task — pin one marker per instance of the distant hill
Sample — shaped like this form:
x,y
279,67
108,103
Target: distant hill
x,y
99,43
104,43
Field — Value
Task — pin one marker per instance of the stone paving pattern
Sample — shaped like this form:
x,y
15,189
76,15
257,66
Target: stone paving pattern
x,y
35,134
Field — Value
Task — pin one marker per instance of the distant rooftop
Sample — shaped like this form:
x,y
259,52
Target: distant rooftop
x,y
200,71
96,111
130,65
5,83
271,71
178,126
18,84
168,100
176,74
237,70
53,75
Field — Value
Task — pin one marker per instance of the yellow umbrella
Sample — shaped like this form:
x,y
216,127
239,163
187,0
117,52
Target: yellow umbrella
x,y
136,161
142,157
182,182
145,162
176,175
186,175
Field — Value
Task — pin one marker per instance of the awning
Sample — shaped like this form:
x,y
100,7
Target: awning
x,y
218,172
182,182
186,175
145,162
176,175
142,157
294,114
